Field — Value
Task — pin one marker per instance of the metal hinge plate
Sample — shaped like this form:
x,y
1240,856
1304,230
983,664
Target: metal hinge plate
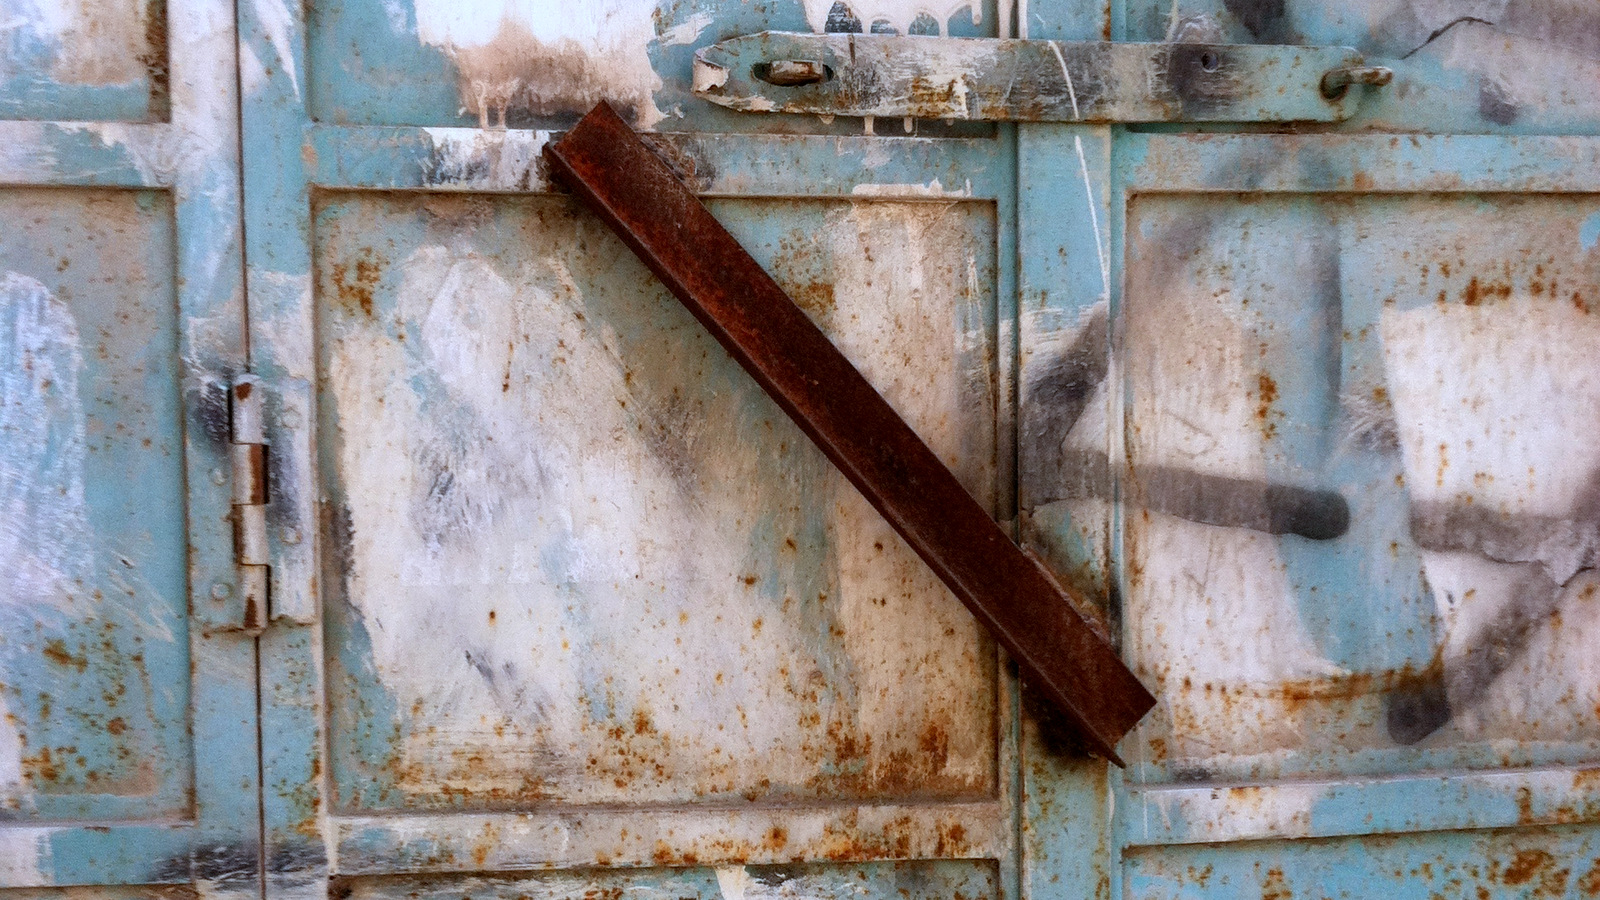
x,y
272,507
977,79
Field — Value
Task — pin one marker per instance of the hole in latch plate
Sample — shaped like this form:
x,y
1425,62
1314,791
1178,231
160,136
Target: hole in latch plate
x,y
792,72
1210,61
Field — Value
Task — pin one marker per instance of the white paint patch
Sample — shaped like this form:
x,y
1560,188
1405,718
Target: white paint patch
x,y
487,160
932,189
24,856
688,31
277,23
733,882
1496,405
546,56
1211,608
43,523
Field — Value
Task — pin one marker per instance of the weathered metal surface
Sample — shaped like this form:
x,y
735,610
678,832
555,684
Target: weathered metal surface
x,y
969,879
120,758
655,835
500,63
84,61
1015,598
1473,66
92,611
1362,347
1524,863
609,576
1027,81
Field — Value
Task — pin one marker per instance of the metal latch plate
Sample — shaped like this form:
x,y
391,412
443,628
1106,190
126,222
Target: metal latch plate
x,y
978,79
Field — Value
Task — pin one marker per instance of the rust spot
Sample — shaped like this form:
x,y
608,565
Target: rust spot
x,y
354,281
777,838
1590,882
1525,865
154,61
1275,887
935,744
1266,395
1476,292
117,725
56,651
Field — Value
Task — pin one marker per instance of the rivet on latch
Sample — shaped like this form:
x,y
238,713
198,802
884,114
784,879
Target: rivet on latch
x,y
1336,81
792,72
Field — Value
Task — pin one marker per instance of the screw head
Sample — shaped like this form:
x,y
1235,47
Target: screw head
x,y
220,590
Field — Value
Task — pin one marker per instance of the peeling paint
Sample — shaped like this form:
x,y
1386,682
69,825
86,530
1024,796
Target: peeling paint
x,y
549,59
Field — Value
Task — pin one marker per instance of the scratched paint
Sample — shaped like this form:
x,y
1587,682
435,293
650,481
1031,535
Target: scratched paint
x,y
630,568
1387,349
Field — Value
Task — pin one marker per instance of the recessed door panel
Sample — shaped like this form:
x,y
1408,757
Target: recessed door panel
x,y
95,656
1362,537
582,559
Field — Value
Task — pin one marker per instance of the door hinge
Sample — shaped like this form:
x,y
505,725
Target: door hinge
x,y
982,79
248,447
272,505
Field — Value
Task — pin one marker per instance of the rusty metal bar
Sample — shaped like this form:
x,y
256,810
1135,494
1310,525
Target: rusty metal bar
x,y
613,172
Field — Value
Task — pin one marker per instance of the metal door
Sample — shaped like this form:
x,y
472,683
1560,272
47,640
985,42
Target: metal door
x,y
588,601
127,690
1305,406
1354,395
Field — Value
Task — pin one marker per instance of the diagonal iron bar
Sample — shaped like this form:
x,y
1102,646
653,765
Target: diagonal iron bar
x,y
618,177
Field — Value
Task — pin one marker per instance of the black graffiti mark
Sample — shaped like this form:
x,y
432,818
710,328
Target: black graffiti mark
x,y
1317,515
1440,32
1266,20
211,415
1562,544
222,866
842,20
296,862
1550,551
1058,395
1421,707
1056,399
1417,707
1495,104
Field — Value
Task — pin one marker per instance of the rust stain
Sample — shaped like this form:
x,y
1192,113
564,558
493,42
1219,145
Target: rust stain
x,y
1266,395
1276,887
1590,882
56,651
154,60
354,281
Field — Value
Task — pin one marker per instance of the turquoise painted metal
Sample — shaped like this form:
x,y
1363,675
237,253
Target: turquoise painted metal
x,y
126,741
1394,308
